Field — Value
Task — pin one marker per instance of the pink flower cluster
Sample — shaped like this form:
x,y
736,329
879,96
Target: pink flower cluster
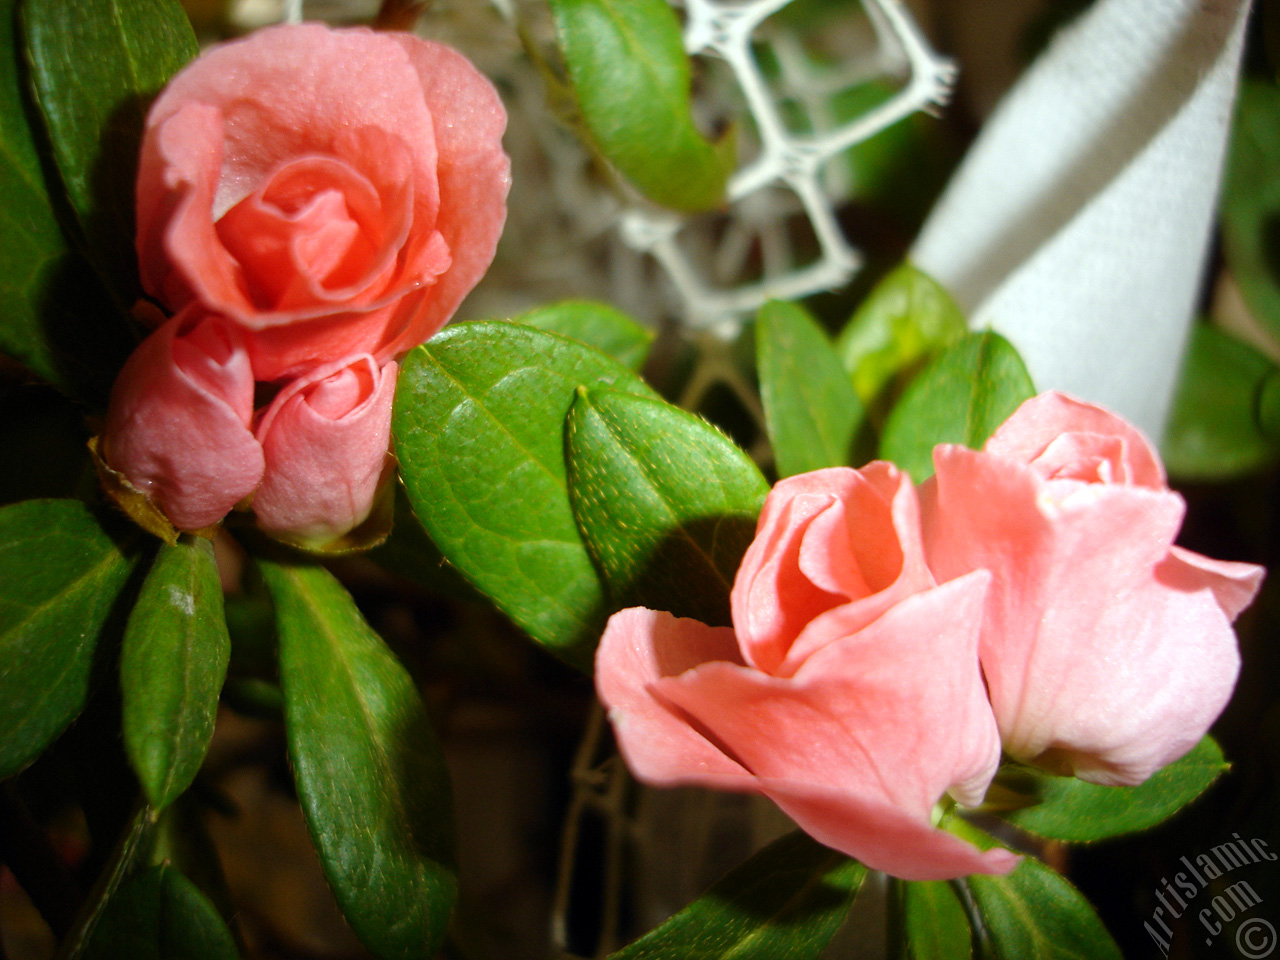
x,y
887,643
311,204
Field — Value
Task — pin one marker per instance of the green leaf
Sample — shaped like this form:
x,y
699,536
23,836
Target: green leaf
x,y
1035,914
160,915
370,776
667,504
630,74
479,427
960,397
1214,432
810,407
787,901
61,574
597,325
1251,201
1070,809
53,316
172,665
904,321
936,923
1269,407
95,67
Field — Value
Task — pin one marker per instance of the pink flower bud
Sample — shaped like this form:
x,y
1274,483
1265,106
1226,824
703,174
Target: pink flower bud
x,y
1108,651
325,437
848,691
178,421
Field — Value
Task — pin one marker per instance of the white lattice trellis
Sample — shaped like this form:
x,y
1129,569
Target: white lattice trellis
x,y
728,31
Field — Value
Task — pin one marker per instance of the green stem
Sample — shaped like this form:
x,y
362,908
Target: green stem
x,y
130,846
895,921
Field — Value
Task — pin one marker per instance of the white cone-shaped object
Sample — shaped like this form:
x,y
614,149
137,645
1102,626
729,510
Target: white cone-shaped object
x,y
1077,225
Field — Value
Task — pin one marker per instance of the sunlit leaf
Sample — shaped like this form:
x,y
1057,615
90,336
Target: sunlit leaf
x,y
666,503
628,68
479,432
810,407
961,397
597,325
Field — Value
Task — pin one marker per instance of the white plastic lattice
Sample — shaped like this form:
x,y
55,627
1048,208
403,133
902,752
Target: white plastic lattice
x,y
759,212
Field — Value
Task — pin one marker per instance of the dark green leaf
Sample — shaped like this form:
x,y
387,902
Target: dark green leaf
x,y
666,503
95,67
123,863
787,902
371,778
160,915
1070,809
479,427
936,923
53,314
1034,913
906,319
597,325
810,407
172,666
1251,201
628,68
1214,432
61,574
960,397
1269,407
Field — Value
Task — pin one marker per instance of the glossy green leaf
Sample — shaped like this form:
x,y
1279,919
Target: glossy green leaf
x,y
1214,432
54,318
172,665
597,325
629,71
810,407
160,915
61,574
937,926
787,902
95,67
667,504
370,775
1251,201
1070,809
1036,914
906,319
479,427
960,397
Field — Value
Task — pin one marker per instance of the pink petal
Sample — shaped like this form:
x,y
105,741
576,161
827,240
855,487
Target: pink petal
x,y
1234,585
882,836
1095,660
325,438
177,422
474,177
826,539
638,648
1044,418
895,714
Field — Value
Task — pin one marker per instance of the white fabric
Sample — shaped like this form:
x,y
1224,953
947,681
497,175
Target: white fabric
x,y
1077,225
